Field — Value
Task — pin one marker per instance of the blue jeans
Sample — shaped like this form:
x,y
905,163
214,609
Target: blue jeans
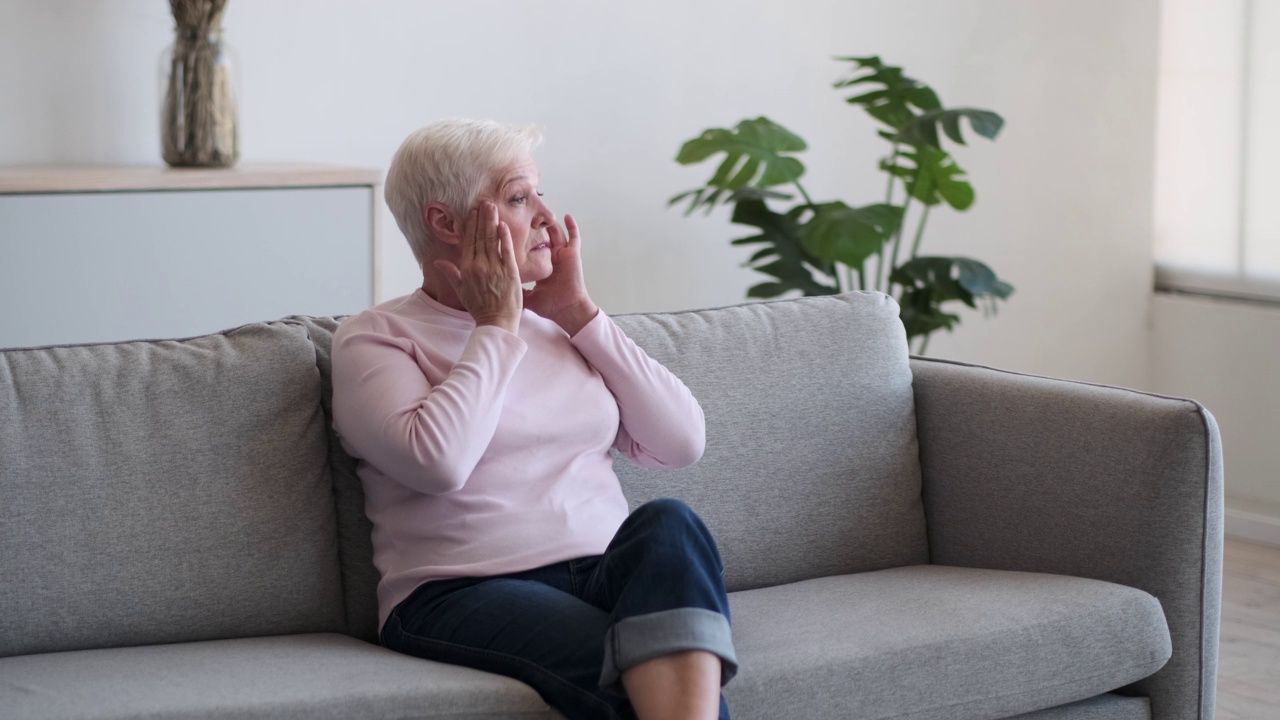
x,y
571,629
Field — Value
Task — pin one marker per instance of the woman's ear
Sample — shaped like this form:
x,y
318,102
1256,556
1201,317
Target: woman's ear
x,y
442,222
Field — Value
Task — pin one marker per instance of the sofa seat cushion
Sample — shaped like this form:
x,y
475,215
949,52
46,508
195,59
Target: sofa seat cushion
x,y
930,641
1101,707
308,677
914,642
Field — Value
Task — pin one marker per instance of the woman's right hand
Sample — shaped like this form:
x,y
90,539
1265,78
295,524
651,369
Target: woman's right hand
x,y
488,281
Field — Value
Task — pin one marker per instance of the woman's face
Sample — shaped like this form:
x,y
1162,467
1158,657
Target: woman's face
x,y
520,206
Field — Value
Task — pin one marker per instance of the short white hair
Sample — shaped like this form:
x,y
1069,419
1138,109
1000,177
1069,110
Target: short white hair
x,y
449,161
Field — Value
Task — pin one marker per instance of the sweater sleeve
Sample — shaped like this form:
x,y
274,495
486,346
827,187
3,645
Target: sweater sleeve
x,y
662,423
388,414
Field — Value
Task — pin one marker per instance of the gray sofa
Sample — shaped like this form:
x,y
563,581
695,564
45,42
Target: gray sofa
x,y
181,535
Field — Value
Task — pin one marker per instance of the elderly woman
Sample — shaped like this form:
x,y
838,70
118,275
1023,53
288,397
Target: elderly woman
x,y
483,415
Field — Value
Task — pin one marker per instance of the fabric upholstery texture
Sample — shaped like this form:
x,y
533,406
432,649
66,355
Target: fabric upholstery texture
x,y
293,677
932,642
1037,474
913,642
1101,707
355,543
164,491
811,466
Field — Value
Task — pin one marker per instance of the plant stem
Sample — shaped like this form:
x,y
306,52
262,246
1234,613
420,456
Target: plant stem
x,y
888,200
897,240
915,246
924,345
841,282
862,278
888,191
808,200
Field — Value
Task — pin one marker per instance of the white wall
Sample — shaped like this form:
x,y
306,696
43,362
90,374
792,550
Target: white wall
x,y
1064,197
1225,354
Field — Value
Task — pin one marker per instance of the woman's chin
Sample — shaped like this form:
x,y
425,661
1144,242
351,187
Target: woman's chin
x,y
535,272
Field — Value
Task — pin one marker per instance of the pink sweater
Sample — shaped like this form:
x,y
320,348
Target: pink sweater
x,y
483,452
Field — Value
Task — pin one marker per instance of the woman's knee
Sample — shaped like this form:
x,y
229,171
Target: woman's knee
x,y
668,512
667,522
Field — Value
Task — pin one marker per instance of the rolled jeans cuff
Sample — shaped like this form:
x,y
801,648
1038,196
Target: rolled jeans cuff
x,y
641,638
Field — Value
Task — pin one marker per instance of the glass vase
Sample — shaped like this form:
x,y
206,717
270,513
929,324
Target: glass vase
x,y
199,126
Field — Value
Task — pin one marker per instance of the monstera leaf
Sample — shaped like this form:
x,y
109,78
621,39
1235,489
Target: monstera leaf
x,y
784,256
815,247
923,130
929,281
839,233
931,177
753,156
897,99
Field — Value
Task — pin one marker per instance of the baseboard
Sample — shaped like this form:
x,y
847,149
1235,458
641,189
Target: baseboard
x,y
1252,527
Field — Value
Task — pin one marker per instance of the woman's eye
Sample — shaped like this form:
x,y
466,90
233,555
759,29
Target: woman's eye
x,y
519,199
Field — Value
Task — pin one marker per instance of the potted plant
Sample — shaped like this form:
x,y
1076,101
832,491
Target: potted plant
x,y
825,248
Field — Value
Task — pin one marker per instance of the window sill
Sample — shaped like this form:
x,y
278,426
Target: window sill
x,y
1218,286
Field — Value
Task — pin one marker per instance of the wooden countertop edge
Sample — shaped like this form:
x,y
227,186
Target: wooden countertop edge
x,y
118,178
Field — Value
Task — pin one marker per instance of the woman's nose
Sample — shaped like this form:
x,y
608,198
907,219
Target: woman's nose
x,y
542,216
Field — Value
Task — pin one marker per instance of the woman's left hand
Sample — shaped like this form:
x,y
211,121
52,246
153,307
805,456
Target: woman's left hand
x,y
562,297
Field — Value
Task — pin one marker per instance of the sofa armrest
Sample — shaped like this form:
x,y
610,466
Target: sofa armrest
x,y
1031,473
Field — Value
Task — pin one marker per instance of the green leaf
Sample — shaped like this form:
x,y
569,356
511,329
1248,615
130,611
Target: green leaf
x,y
975,277
789,262
760,138
767,290
923,130
951,126
933,277
899,99
928,282
723,172
885,217
695,198
925,321
839,233
946,176
710,199
755,193
935,178
744,174
677,198
754,154
925,98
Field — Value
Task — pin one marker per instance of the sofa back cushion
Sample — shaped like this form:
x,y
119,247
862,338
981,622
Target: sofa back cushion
x,y
355,532
165,491
811,466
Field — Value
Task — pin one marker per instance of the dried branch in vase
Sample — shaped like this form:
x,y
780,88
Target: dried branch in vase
x,y
199,126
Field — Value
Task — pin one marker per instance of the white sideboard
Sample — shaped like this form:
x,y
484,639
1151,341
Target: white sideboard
x,y
98,254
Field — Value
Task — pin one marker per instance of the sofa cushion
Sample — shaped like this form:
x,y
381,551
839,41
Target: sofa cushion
x,y
165,491
916,642
934,642
811,466
307,677
1100,707
355,532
